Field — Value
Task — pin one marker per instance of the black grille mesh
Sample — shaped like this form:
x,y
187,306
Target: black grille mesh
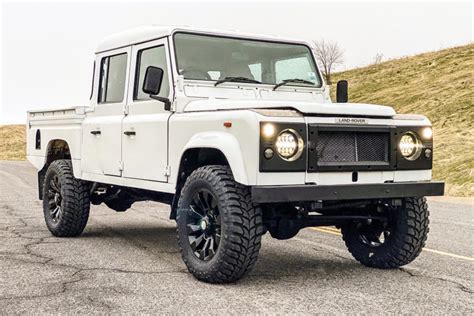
x,y
343,147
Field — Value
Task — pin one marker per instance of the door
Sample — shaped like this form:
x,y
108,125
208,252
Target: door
x,y
145,127
102,128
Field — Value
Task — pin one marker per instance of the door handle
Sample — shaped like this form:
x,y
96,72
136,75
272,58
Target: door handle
x,y
95,133
130,133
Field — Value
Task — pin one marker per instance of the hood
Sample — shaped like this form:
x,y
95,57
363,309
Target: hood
x,y
359,109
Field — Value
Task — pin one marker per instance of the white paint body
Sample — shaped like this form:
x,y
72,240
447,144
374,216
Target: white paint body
x,y
150,159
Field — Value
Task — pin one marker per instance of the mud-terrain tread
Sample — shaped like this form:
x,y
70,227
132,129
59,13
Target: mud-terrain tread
x,y
243,222
409,237
76,200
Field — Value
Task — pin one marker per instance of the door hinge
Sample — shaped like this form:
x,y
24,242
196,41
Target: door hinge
x,y
168,171
120,165
180,83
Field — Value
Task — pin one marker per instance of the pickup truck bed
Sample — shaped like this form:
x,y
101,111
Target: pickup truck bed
x,y
45,125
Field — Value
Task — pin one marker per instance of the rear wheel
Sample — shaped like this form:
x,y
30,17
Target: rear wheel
x,y
393,243
219,228
66,200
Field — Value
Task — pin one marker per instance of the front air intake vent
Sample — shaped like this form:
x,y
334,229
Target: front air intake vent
x,y
349,148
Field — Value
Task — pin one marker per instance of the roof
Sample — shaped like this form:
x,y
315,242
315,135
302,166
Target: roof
x,y
151,32
133,36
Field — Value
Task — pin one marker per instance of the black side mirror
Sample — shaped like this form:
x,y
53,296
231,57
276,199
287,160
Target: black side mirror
x,y
153,80
152,85
341,92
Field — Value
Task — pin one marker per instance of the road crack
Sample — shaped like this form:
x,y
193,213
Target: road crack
x,y
78,274
459,285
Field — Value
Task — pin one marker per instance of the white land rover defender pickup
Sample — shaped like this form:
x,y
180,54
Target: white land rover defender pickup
x,y
237,133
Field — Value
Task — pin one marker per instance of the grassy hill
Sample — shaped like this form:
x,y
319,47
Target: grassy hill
x,y
12,142
439,85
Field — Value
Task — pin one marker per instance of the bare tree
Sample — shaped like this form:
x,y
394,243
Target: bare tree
x,y
378,58
329,55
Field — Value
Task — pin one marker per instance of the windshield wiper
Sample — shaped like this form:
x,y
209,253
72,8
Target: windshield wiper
x,y
236,79
296,80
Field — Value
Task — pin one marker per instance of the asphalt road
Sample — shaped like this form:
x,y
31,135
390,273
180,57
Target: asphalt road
x,y
128,262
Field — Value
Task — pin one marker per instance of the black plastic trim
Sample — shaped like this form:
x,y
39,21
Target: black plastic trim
x,y
41,177
38,139
298,193
421,162
276,163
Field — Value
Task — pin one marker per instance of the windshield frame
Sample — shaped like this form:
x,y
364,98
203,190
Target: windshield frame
x,y
254,39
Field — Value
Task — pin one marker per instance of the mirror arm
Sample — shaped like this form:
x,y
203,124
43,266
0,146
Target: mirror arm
x,y
166,101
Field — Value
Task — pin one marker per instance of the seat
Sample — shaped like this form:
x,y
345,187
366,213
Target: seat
x,y
237,69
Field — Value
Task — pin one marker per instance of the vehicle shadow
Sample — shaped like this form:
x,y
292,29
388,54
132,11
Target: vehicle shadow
x,y
277,259
149,237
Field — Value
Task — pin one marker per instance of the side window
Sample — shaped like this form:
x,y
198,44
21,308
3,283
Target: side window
x,y
113,70
154,56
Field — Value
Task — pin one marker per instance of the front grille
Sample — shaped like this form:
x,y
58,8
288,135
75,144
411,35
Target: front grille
x,y
352,147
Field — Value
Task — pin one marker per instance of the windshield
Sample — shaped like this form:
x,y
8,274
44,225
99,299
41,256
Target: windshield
x,y
205,57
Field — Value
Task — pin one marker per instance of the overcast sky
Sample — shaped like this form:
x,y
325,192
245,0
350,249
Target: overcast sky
x,y
47,47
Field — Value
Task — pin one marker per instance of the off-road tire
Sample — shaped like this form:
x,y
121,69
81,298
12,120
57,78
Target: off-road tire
x,y
75,203
241,226
406,240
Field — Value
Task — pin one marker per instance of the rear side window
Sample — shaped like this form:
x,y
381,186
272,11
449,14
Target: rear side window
x,y
154,56
113,70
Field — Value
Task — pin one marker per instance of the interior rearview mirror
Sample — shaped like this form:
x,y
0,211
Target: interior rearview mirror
x,y
153,80
341,92
152,85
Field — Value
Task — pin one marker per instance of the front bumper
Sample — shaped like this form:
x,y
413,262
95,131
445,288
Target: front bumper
x,y
311,192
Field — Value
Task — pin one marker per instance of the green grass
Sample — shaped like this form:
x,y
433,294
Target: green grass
x,y
439,85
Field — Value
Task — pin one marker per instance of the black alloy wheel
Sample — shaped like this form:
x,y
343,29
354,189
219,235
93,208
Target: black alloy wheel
x,y
55,199
374,233
392,243
203,224
219,228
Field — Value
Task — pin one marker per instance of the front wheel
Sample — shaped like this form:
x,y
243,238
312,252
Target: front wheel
x,y
219,228
393,243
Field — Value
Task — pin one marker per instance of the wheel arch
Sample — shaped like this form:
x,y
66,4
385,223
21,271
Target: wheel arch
x,y
56,149
209,149
222,144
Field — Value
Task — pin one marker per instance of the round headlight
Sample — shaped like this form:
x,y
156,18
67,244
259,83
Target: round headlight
x,y
289,145
409,146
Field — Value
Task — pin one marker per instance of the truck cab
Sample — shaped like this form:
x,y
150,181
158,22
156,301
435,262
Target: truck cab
x,y
238,134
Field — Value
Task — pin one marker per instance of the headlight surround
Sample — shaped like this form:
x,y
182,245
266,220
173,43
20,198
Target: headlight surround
x,y
289,144
293,159
410,146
